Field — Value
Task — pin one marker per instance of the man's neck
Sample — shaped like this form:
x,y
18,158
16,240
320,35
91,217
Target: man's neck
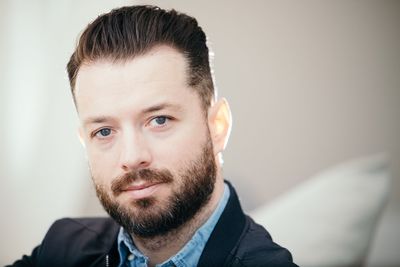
x,y
161,248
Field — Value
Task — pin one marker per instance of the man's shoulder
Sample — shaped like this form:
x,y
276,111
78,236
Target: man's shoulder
x,y
82,229
74,242
256,248
238,241
78,239
90,224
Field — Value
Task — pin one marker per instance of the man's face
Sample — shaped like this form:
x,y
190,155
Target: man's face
x,y
147,140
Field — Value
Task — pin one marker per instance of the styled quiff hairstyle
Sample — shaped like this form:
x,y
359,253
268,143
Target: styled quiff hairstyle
x,y
127,32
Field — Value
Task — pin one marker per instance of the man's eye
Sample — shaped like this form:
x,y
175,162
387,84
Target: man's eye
x,y
103,132
159,121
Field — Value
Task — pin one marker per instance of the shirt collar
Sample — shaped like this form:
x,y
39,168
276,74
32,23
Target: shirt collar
x,y
189,255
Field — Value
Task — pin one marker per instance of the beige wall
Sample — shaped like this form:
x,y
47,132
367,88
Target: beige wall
x,y
310,84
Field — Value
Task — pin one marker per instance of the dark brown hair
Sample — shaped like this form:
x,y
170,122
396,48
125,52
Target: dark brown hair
x,y
127,32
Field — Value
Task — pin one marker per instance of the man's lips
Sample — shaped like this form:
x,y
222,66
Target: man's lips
x,y
141,190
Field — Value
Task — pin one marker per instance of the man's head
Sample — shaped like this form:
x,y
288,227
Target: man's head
x,y
142,85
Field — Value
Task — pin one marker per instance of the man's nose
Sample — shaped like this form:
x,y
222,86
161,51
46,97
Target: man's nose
x,y
135,153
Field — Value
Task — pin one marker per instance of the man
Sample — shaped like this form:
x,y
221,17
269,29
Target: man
x,y
153,131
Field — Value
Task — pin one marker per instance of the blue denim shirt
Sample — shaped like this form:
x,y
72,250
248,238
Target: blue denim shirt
x,y
189,255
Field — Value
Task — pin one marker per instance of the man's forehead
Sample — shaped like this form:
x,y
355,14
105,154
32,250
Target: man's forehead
x,y
158,64
161,67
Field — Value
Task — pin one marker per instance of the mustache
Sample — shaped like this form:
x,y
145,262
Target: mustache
x,y
148,175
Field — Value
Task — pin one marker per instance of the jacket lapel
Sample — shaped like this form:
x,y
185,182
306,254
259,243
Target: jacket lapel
x,y
226,233
109,256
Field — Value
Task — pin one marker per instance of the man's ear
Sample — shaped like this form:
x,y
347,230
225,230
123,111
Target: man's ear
x,y
220,123
81,137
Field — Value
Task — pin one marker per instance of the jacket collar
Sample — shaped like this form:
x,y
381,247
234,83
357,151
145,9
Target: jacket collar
x,y
226,233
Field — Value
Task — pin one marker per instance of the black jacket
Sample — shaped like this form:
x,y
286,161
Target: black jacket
x,y
92,242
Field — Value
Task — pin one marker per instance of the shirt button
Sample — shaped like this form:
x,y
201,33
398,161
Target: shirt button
x,y
131,257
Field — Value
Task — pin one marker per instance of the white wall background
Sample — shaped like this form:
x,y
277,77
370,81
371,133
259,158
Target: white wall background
x,y
310,83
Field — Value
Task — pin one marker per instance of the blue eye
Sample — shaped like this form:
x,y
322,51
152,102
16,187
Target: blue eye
x,y
104,132
160,120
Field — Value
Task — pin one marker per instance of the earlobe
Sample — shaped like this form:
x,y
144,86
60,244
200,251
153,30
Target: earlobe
x,y
220,122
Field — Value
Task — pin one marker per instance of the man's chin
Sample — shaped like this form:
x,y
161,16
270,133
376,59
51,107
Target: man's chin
x,y
142,205
144,218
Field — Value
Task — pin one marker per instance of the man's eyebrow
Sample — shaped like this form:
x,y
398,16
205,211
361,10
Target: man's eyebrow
x,y
161,106
94,120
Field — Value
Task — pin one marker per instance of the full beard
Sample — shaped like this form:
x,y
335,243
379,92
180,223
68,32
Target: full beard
x,y
146,218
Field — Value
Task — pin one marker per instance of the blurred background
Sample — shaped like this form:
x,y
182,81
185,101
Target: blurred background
x,y
311,84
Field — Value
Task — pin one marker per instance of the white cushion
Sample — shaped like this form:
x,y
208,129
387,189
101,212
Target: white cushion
x,y
329,219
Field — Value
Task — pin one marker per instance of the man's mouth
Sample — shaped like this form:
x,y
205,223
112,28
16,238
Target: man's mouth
x,y
139,191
